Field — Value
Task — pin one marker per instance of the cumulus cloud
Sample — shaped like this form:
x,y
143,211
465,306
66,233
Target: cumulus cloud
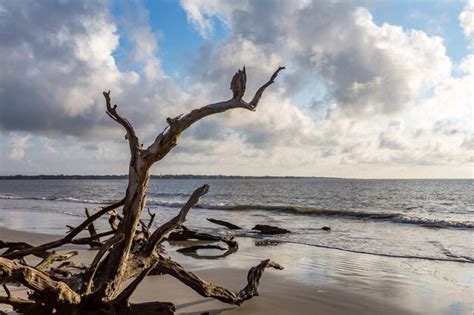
x,y
466,19
368,68
18,145
389,90
358,98
55,56
56,59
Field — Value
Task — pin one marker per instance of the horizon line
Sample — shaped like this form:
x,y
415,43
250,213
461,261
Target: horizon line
x,y
214,176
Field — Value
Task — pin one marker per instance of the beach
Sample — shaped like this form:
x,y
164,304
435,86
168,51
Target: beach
x,y
314,281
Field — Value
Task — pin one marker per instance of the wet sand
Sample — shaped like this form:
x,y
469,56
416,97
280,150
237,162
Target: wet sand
x,y
315,281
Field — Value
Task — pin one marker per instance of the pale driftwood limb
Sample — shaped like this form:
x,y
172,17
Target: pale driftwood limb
x,y
187,234
167,139
72,265
54,293
54,257
128,291
146,230
131,135
208,289
131,252
256,99
92,232
68,238
89,277
140,164
174,223
224,223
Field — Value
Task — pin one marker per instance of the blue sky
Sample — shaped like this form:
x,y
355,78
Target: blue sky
x,y
376,89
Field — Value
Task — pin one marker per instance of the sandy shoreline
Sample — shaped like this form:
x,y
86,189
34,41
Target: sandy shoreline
x,y
285,292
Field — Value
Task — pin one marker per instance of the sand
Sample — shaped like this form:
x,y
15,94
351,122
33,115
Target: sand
x,y
281,292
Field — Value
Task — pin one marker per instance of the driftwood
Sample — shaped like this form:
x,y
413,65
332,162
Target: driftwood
x,y
128,250
187,235
224,223
271,230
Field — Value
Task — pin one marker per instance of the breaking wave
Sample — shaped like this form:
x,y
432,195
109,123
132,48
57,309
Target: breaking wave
x,y
350,214
393,217
67,199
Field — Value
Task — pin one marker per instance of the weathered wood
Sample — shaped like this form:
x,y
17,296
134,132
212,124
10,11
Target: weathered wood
x,y
55,293
89,276
92,232
131,253
166,141
152,308
18,246
127,292
268,229
224,223
65,240
54,257
195,248
174,223
208,289
187,235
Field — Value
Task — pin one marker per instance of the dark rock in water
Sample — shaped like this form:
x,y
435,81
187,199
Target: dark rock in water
x,y
326,228
268,229
266,242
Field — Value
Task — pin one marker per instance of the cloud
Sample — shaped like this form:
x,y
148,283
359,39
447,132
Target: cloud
x,y
466,19
358,98
369,69
18,145
468,142
55,58
392,141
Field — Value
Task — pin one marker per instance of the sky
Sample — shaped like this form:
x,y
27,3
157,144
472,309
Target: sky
x,y
372,89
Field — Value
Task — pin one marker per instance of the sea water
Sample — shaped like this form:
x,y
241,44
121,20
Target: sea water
x,y
424,219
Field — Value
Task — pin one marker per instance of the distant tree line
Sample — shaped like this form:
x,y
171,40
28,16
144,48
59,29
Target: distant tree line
x,y
182,176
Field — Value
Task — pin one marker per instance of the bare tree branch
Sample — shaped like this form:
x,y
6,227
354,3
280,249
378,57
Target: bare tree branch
x,y
167,139
55,293
131,253
54,257
158,235
208,289
89,277
131,136
128,291
68,238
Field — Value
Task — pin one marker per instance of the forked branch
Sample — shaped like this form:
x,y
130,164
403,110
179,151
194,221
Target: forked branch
x,y
167,139
174,223
55,293
131,135
68,238
208,289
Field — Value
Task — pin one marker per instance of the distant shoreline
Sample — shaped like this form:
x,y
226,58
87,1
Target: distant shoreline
x,y
191,176
184,176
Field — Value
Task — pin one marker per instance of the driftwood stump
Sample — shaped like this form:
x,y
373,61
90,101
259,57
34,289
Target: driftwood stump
x,y
131,249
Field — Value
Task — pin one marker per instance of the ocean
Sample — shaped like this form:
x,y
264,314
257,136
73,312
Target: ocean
x,y
423,219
